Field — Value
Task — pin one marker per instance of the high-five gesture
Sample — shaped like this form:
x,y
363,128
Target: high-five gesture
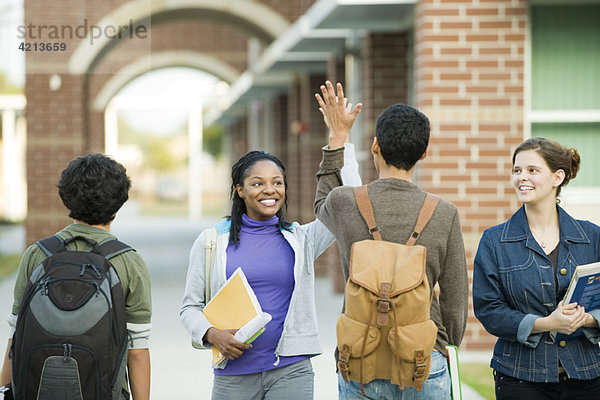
x,y
338,115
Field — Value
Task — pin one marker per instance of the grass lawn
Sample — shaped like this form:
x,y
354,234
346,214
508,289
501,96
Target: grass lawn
x,y
478,376
8,264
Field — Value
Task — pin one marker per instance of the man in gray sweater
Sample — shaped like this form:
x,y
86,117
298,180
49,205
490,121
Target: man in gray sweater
x,y
401,140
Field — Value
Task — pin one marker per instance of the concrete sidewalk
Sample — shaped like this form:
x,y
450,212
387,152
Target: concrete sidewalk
x,y
178,370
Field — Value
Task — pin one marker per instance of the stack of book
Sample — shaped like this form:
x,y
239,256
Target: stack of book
x,y
235,306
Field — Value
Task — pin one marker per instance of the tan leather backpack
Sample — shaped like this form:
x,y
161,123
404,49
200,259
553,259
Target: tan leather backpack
x,y
386,331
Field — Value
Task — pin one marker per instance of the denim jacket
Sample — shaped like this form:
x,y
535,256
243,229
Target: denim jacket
x,y
513,285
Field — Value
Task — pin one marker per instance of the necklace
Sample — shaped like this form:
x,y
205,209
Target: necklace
x,y
546,234
541,242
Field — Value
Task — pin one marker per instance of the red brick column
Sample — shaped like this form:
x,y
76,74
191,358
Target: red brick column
x,y
386,74
280,127
62,124
54,138
295,127
54,117
469,80
306,135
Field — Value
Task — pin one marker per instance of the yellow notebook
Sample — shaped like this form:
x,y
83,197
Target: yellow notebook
x,y
235,306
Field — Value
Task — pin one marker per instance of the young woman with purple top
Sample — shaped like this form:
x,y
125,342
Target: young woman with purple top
x,y
277,258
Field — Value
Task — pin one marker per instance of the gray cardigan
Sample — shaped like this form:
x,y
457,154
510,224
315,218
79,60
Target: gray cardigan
x,y
396,204
300,331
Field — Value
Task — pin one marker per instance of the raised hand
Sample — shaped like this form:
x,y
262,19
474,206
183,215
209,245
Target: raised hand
x,y
339,116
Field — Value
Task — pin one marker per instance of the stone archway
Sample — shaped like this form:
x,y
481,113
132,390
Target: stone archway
x,y
104,102
166,59
247,15
67,119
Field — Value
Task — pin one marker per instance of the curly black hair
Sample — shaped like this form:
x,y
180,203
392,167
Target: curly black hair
x,y
239,172
403,135
94,187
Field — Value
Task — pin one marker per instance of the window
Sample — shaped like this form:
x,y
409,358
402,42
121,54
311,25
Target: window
x,y
565,82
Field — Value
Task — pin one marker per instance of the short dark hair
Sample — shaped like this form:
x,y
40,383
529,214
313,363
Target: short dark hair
x,y
556,156
402,132
94,187
239,172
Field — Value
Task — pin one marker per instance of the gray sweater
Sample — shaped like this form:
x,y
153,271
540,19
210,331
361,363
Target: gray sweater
x,y
300,332
396,204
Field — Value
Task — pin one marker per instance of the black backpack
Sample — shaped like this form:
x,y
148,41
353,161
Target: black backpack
x,y
71,335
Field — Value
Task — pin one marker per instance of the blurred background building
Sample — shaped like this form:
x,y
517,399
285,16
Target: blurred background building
x,y
488,74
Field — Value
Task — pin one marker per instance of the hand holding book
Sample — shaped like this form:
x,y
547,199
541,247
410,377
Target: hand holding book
x,y
225,341
567,318
583,294
237,319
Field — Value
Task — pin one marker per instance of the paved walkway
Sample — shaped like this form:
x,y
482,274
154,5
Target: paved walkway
x,y
179,371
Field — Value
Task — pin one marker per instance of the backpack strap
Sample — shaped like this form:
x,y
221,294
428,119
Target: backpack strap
x,y
112,248
431,201
52,245
210,245
342,363
55,244
420,369
365,207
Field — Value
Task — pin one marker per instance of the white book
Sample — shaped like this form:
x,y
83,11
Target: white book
x,y
454,372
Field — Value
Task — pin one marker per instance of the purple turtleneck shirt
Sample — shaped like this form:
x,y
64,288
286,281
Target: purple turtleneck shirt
x,y
267,260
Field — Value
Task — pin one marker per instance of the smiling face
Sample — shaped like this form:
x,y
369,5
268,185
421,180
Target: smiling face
x,y
263,190
532,178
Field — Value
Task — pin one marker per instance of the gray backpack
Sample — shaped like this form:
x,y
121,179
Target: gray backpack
x,y
71,336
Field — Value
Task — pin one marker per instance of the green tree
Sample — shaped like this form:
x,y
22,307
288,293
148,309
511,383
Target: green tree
x,y
158,155
7,87
212,140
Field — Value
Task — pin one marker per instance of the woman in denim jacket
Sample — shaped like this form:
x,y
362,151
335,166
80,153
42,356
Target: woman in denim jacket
x,y
522,270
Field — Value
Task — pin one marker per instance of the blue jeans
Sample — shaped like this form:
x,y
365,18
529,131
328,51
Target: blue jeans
x,y
436,387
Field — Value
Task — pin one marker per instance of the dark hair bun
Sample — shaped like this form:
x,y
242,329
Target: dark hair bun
x,y
575,161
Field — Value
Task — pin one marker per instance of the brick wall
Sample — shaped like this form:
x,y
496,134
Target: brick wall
x,y
280,127
61,124
54,118
386,76
466,56
469,80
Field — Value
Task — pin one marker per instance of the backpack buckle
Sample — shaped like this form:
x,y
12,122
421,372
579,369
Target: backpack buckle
x,y
342,364
384,303
420,369
344,370
383,308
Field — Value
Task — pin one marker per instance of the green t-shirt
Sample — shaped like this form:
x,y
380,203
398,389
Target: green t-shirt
x,y
130,266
